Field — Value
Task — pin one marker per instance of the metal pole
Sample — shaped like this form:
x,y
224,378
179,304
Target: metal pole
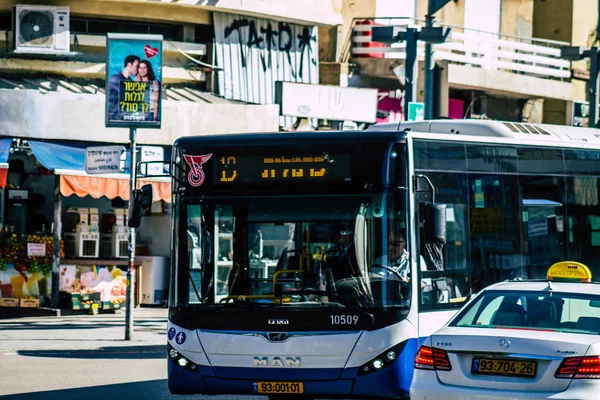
x,y
429,66
410,86
57,232
131,268
593,88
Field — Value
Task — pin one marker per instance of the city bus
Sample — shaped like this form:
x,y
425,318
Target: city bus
x,y
313,264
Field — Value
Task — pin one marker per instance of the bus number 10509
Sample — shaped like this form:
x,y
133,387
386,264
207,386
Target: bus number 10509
x,y
344,319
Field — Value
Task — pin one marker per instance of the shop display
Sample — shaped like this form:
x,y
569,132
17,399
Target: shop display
x,y
25,268
80,286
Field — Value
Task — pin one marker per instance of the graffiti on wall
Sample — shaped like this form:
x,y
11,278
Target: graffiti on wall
x,y
253,53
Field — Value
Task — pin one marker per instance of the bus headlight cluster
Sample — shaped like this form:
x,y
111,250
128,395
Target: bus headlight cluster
x,y
180,360
382,361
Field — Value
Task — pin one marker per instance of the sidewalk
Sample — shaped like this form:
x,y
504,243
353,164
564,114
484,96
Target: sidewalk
x,y
85,332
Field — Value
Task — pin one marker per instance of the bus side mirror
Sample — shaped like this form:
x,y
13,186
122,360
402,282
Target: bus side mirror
x,y
142,199
435,223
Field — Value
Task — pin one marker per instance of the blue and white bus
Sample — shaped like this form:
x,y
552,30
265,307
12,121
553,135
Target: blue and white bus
x,y
282,283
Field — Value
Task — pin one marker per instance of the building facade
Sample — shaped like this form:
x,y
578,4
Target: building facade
x,y
501,60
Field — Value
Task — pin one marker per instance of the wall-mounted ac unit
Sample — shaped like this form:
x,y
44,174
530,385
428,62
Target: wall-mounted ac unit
x,y
41,30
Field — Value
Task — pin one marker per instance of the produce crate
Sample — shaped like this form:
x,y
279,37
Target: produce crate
x,y
79,301
107,305
30,303
86,305
9,302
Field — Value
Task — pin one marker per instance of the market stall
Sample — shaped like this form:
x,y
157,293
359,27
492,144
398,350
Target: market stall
x,y
64,241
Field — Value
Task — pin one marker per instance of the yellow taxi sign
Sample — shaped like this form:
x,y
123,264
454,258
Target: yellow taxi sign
x,y
569,271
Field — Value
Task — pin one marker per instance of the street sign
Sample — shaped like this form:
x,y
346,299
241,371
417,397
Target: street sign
x,y
103,160
581,113
416,111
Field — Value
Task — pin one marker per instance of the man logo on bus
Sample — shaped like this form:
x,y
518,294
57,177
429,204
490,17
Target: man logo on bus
x,y
196,175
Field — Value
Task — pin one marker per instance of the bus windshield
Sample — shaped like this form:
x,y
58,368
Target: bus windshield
x,y
294,251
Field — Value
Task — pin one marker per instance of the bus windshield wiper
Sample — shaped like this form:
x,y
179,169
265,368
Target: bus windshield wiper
x,y
337,297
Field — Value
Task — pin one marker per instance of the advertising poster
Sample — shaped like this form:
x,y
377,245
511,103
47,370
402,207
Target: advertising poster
x,y
18,280
110,282
133,80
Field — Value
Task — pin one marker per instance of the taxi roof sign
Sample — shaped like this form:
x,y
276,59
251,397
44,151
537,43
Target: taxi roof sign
x,y
566,271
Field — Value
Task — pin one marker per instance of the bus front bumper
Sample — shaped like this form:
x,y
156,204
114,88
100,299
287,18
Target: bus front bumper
x,y
381,384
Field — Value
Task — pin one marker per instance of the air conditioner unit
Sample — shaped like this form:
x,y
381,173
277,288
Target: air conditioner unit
x,y
41,30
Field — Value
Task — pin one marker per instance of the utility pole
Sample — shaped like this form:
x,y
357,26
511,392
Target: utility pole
x,y
131,267
429,65
411,36
411,73
431,111
593,88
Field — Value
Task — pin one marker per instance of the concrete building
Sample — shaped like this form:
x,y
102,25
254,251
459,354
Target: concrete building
x,y
221,59
502,60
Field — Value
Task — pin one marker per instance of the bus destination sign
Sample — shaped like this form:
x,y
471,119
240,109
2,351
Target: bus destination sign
x,y
249,170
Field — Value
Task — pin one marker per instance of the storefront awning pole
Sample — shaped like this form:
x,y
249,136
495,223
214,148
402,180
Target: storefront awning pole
x,y
57,231
130,269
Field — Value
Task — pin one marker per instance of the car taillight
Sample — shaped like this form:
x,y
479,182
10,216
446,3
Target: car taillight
x,y
587,367
432,358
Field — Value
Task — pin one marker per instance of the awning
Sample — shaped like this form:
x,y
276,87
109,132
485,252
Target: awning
x,y
109,185
5,144
59,155
68,161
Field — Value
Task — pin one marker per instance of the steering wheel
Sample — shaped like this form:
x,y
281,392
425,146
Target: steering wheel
x,y
390,269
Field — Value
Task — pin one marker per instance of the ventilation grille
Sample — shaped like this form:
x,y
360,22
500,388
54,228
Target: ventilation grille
x,y
525,128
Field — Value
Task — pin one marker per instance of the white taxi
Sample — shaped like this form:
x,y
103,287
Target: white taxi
x,y
518,340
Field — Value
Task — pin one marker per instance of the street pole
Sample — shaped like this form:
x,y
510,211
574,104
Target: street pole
x,y
57,233
429,66
410,87
131,267
593,88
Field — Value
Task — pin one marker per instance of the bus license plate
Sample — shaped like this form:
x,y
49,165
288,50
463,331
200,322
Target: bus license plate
x,y
504,367
280,387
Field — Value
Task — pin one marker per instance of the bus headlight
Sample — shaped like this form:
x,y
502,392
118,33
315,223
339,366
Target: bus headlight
x,y
181,360
382,361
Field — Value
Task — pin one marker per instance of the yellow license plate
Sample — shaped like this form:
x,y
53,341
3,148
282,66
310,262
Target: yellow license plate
x,y
280,387
497,366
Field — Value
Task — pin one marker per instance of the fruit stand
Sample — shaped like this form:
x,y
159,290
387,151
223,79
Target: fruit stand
x,y
25,269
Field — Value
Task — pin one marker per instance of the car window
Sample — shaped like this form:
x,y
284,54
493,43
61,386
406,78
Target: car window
x,y
538,310
485,318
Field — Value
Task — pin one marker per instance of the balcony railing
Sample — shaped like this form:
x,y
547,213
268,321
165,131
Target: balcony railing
x,y
479,49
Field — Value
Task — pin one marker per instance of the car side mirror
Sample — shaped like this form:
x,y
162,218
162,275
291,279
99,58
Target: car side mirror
x,y
142,200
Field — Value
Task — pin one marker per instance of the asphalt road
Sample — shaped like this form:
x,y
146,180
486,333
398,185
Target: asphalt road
x,y
104,374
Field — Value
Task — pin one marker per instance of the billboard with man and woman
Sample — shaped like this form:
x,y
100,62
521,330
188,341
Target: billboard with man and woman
x,y
133,80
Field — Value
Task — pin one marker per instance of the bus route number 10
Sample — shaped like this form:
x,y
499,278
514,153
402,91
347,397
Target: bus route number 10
x,y
344,319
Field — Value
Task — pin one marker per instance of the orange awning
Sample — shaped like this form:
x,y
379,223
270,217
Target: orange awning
x,y
3,175
109,185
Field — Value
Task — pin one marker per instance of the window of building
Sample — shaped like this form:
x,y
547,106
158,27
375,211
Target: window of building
x,y
95,26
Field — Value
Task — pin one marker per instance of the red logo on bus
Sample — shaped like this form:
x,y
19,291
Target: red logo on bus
x,y
196,175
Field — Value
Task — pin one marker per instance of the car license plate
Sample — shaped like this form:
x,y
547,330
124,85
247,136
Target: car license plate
x,y
280,387
498,366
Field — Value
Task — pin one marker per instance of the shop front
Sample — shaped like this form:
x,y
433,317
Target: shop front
x,y
64,240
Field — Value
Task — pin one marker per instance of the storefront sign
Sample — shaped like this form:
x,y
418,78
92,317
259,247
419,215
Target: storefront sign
x,y
152,153
327,102
103,160
581,111
133,80
36,250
